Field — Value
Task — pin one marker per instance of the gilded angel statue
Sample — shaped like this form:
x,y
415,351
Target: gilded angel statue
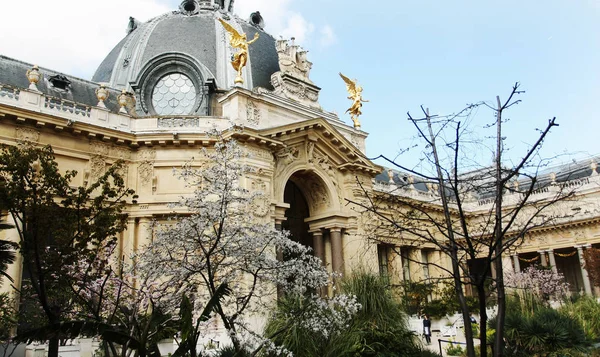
x,y
240,42
355,94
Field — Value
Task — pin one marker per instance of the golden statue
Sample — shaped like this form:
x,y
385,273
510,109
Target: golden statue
x,y
239,41
355,94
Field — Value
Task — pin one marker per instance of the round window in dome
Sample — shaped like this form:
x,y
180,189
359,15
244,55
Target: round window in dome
x,y
174,94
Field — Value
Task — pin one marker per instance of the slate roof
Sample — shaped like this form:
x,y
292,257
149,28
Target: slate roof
x,y
13,73
574,170
193,35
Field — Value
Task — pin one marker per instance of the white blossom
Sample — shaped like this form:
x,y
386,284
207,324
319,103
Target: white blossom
x,y
219,240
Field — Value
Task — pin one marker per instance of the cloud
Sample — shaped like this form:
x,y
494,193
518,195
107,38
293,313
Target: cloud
x,y
70,36
74,36
280,19
328,37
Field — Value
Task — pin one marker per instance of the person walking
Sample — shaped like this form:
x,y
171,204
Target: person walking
x,y
427,329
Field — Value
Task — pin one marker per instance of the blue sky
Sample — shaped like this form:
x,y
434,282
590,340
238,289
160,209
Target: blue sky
x,y
439,54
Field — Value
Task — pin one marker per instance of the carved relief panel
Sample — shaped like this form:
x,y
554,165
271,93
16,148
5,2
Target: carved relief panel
x,y
146,159
27,136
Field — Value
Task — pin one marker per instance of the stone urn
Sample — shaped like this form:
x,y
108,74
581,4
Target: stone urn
x,y
33,76
125,99
102,94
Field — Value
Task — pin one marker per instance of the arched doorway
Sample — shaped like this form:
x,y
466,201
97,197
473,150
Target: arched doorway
x,y
296,214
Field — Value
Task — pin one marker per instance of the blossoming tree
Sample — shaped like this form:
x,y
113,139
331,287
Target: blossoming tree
x,y
218,239
63,234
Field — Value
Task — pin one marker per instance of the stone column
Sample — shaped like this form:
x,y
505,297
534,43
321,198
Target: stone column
x,y
279,253
516,263
552,260
337,255
584,274
319,245
543,258
145,236
279,227
129,246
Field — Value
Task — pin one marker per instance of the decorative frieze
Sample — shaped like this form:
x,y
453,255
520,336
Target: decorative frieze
x,y
26,136
99,148
178,122
121,153
259,153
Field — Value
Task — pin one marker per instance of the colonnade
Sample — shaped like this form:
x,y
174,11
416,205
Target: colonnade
x,y
547,259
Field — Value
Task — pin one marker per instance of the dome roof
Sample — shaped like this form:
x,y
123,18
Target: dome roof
x,y
193,42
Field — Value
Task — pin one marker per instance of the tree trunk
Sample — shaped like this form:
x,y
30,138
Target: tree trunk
x,y
462,301
499,341
498,238
453,245
482,319
53,347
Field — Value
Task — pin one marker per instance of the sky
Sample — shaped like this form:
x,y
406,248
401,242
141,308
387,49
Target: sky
x,y
405,53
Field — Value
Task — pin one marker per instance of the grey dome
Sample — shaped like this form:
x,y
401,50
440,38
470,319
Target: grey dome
x,y
193,41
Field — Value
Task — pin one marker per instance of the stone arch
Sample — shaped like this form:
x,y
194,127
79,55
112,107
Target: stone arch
x,y
315,184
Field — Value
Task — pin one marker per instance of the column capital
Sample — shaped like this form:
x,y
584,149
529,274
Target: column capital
x,y
316,232
336,229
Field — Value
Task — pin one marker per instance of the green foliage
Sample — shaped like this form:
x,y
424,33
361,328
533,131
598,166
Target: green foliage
x,y
64,232
586,311
229,351
414,299
539,330
288,328
141,333
454,350
414,296
190,332
381,324
7,250
8,316
378,329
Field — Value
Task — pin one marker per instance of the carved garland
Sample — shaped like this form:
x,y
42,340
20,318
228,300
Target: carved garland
x,y
261,203
146,166
253,114
27,136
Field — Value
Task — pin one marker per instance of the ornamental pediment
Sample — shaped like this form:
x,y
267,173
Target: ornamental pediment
x,y
318,143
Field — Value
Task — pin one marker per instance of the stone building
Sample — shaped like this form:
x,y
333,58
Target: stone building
x,y
157,93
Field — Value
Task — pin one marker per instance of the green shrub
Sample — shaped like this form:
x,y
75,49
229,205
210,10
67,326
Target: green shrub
x,y
378,329
454,350
229,351
539,330
586,310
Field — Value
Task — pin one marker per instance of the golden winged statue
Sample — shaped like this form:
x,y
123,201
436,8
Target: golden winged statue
x,y
239,41
355,94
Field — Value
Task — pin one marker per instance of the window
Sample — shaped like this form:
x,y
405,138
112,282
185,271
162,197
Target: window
x,y
383,258
172,85
174,94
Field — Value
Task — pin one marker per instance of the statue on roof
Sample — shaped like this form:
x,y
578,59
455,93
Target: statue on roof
x,y
240,42
355,94
293,59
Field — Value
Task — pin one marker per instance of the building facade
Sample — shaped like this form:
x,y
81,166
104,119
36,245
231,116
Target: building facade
x,y
154,98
